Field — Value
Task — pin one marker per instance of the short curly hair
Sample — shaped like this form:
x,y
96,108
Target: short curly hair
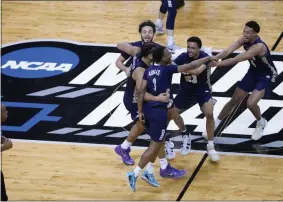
x,y
147,23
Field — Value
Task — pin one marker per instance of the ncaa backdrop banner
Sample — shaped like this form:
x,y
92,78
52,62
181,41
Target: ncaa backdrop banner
x,y
73,92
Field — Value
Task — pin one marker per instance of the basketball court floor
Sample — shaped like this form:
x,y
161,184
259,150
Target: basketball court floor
x,y
65,127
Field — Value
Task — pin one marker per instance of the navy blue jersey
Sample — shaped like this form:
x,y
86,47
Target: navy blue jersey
x,y
262,65
130,95
159,79
188,80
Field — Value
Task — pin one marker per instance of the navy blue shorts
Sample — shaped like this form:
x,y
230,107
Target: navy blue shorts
x,y
156,122
133,109
189,95
254,81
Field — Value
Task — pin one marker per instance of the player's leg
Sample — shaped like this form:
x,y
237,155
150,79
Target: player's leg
x,y
159,20
170,24
252,105
146,157
207,109
156,121
179,121
124,149
263,88
166,170
245,86
181,102
237,97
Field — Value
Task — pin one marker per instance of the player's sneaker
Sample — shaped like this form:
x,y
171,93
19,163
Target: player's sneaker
x,y
258,132
132,180
150,179
186,145
159,28
172,48
170,172
214,156
169,149
125,155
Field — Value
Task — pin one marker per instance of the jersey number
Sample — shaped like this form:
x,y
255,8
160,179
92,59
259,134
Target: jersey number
x,y
191,78
154,84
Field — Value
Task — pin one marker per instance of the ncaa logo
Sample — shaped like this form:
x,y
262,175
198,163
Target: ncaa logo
x,y
38,62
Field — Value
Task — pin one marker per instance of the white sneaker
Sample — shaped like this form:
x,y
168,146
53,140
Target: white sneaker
x,y
172,48
186,145
214,156
258,132
159,29
169,149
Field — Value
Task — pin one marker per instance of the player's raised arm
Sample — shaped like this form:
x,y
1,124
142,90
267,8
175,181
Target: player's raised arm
x,y
193,65
236,45
128,48
120,64
255,50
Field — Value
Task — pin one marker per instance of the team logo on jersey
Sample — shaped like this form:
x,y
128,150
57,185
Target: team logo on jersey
x,y
74,92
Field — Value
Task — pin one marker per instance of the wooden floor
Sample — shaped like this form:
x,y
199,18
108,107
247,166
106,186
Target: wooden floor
x,y
218,23
36,171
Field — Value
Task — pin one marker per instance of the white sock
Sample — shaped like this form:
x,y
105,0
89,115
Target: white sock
x,y
170,40
149,168
163,163
210,143
137,171
217,122
158,22
261,121
126,144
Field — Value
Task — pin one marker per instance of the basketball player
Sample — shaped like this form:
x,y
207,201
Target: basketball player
x,y
5,145
172,114
147,32
157,79
171,7
196,83
141,63
258,80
